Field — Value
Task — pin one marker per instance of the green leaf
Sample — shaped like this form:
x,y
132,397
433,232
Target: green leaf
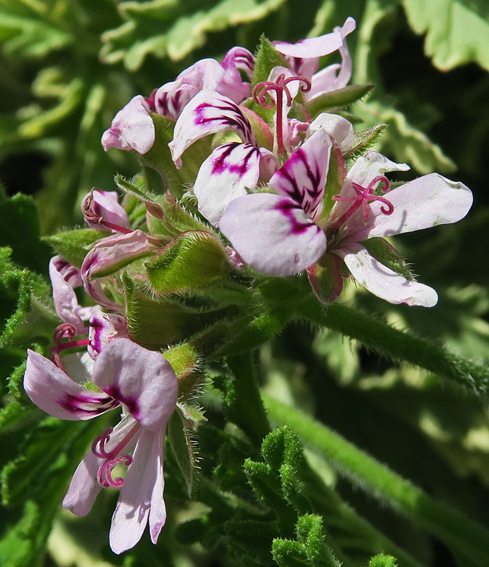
x,y
266,59
27,29
382,560
456,30
338,98
170,28
20,230
386,254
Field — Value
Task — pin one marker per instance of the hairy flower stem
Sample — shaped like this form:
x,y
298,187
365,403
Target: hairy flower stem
x,y
454,528
245,405
396,344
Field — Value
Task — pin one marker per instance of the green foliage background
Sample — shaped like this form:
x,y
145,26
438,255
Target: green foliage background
x,y
66,68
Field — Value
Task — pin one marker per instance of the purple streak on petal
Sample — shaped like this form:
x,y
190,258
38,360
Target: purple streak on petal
x,y
287,208
272,234
51,389
83,405
233,119
224,176
141,379
303,175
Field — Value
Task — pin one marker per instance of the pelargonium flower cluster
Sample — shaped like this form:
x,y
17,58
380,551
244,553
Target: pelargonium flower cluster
x,y
284,186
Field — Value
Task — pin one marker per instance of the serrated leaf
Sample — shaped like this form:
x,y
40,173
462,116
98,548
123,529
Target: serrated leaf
x,y
170,28
28,30
456,30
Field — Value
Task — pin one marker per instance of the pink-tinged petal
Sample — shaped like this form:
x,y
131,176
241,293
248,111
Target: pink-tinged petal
x,y
132,128
335,76
384,282
272,234
336,126
57,394
113,253
208,113
303,175
428,201
102,330
239,58
224,176
312,47
171,98
157,512
144,477
84,487
140,379
104,205
64,296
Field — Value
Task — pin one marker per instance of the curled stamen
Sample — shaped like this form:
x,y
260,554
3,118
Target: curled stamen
x,y
262,96
365,195
65,331
111,458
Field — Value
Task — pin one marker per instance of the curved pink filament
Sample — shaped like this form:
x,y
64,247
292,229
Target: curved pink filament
x,y
261,95
364,195
104,474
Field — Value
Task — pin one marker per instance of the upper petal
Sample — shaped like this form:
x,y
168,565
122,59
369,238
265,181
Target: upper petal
x,y
272,234
428,201
132,128
104,205
303,175
142,380
224,176
336,126
57,394
384,282
143,489
208,113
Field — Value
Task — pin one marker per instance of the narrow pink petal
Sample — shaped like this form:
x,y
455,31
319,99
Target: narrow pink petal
x,y
303,175
157,512
224,176
64,296
58,395
428,201
272,234
144,477
142,380
384,282
208,113
84,486
311,47
132,128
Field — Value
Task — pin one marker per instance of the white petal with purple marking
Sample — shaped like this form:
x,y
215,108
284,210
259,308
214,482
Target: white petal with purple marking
x,y
208,113
272,234
224,176
303,176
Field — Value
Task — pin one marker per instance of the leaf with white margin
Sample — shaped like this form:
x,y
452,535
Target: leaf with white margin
x,y
272,234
